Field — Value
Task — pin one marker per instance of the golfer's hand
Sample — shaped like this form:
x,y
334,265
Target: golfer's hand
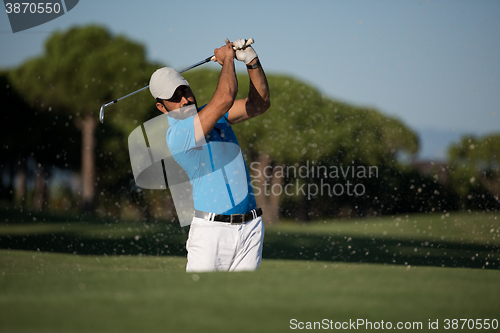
x,y
224,53
247,54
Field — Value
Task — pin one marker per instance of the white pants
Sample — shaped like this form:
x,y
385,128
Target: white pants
x,y
219,246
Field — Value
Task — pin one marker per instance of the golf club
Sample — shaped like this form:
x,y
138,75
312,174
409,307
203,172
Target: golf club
x,y
101,112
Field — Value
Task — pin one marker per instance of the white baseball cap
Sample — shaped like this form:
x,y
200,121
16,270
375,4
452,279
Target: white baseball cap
x,y
164,81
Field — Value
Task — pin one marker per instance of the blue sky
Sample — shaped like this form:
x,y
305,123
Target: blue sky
x,y
432,64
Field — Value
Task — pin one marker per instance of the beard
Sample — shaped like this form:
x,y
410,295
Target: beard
x,y
184,112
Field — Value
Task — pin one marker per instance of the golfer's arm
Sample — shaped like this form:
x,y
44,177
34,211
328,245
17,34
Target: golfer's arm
x,y
258,100
223,98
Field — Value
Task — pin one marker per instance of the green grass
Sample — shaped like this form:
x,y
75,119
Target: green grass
x,y
47,292
475,227
130,277
445,240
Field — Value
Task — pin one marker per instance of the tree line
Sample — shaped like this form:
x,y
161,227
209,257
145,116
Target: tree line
x,y
50,125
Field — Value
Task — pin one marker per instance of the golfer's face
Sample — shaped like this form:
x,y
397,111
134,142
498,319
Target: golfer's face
x,y
183,96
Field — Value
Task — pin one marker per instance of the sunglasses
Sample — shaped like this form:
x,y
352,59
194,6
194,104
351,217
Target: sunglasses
x,y
181,91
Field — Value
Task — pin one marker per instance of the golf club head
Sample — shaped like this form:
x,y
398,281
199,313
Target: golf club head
x,y
101,114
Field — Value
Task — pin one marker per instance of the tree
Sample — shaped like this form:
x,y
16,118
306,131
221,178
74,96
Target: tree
x,y
475,170
15,136
80,70
31,137
303,126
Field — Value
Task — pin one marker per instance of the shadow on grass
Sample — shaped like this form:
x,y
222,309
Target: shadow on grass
x,y
381,250
277,245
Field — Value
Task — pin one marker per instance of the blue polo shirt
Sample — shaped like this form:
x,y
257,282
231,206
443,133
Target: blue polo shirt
x,y
216,168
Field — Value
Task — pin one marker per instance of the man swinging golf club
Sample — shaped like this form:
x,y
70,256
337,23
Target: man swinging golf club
x,y
227,230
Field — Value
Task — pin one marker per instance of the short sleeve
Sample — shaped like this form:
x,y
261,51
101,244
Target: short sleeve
x,y
181,136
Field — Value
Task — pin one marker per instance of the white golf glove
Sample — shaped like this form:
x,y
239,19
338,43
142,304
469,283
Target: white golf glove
x,y
247,54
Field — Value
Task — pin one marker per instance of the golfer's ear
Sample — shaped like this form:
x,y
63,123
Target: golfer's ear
x,y
161,107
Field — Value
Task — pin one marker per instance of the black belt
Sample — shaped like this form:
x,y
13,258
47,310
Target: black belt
x,y
233,218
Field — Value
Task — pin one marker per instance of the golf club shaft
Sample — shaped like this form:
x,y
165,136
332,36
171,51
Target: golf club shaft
x,y
101,112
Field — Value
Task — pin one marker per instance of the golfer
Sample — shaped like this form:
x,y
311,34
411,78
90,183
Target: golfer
x,y
227,231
